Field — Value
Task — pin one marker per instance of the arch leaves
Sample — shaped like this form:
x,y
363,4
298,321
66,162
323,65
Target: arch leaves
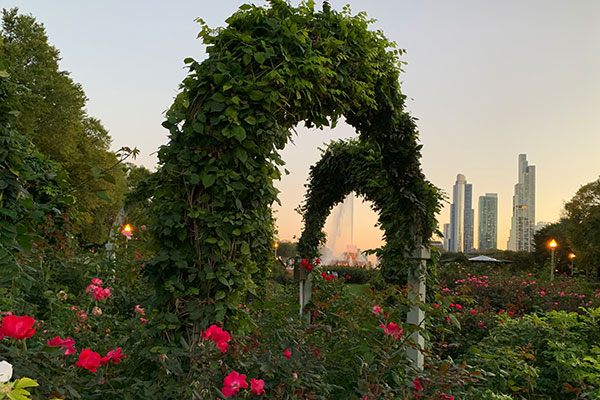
x,y
269,69
405,207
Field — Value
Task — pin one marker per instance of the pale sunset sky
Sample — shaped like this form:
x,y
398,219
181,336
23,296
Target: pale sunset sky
x,y
487,80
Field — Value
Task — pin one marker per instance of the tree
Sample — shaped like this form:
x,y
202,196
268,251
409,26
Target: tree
x,y
53,116
559,232
287,250
583,227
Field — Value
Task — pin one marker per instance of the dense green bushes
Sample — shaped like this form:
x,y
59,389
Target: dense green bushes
x,y
355,274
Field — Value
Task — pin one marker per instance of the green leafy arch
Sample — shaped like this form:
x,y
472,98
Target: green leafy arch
x,y
267,70
405,207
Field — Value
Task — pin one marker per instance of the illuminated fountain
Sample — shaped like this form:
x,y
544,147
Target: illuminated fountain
x,y
340,248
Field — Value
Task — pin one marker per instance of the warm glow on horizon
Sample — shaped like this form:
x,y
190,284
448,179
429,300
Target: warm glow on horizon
x,y
498,92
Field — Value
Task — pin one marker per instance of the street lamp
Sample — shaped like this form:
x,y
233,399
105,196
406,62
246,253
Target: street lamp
x,y
571,257
127,232
552,244
276,245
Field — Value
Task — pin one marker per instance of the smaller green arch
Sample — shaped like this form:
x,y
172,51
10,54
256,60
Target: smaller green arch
x,y
406,207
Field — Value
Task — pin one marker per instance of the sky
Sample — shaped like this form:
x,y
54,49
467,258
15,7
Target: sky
x,y
486,81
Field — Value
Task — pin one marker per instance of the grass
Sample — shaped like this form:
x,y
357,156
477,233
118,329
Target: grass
x,y
358,289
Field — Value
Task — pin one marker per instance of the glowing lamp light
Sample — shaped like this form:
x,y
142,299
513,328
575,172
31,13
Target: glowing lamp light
x,y
276,245
127,231
572,255
552,244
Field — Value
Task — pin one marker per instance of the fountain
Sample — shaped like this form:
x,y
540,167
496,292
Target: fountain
x,y
340,248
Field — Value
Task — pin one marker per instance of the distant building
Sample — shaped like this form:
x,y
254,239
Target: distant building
x,y
447,237
541,225
522,227
488,221
461,216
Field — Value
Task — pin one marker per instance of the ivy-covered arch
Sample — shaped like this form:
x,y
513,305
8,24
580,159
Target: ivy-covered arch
x,y
404,208
267,70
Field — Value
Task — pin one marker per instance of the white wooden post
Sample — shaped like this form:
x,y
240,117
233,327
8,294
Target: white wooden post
x,y
305,295
416,292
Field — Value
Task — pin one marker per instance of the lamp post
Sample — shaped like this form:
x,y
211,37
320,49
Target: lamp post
x,y
571,257
552,244
276,245
127,232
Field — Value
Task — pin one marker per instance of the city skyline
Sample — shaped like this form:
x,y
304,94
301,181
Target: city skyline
x,y
486,81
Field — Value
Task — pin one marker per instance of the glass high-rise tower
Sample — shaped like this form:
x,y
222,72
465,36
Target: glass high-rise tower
x,y
488,221
522,227
462,216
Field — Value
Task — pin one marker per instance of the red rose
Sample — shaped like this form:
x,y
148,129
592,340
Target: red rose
x,y
232,384
219,336
257,386
89,360
287,354
67,344
17,327
114,355
392,329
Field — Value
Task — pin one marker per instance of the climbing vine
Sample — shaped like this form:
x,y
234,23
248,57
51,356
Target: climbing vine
x,y
406,206
269,69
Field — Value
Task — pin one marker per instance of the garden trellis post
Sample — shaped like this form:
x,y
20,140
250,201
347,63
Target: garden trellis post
x,y
416,293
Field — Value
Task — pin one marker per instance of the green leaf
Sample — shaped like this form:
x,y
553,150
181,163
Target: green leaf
x,y
250,120
208,180
109,178
256,95
239,133
454,321
25,382
215,106
220,294
96,172
103,196
260,57
194,179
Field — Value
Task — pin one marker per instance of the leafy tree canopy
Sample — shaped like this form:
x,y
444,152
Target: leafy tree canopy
x,y
583,228
52,114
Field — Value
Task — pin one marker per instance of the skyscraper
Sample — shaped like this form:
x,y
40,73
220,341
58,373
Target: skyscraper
x,y
488,221
447,237
461,216
522,227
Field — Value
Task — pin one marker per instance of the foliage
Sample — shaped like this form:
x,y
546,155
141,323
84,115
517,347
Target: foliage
x,y
268,70
287,250
52,115
355,274
554,356
559,232
583,214
361,166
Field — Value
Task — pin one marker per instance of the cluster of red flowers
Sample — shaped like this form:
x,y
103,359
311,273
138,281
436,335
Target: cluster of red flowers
x,y
234,382
219,336
140,310
17,327
68,344
327,277
91,360
308,265
97,290
392,329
